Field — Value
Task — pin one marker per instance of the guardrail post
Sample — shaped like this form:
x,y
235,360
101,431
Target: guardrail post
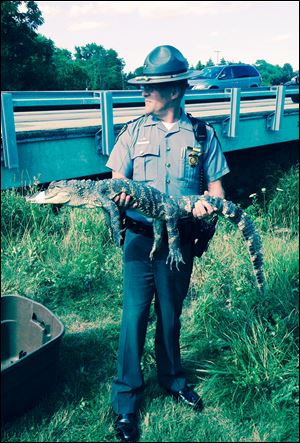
x,y
274,124
108,135
10,149
235,99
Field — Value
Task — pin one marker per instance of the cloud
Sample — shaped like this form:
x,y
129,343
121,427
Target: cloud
x,y
83,9
87,26
282,37
48,10
157,9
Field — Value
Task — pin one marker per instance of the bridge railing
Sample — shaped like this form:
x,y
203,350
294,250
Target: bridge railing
x,y
14,101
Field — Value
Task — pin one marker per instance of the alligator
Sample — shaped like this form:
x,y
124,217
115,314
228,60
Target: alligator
x,y
165,211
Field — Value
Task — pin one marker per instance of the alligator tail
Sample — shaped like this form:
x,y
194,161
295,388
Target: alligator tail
x,y
252,238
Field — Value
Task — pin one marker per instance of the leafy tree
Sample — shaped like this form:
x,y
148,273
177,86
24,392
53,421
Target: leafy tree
x,y
287,72
272,74
19,43
223,61
104,67
11,17
31,61
136,73
70,74
210,63
38,72
199,66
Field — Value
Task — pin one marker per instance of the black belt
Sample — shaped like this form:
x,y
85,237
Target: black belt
x,y
147,230
139,227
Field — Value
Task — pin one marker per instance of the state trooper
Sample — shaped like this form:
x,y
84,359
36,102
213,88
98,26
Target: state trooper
x,y
159,149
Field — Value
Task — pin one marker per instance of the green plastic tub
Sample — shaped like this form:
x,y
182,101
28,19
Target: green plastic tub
x,y
30,340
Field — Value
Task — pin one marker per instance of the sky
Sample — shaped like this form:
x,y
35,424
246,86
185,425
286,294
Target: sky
x,y
238,31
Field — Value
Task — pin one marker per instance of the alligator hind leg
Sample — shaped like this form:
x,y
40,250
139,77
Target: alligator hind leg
x,y
174,243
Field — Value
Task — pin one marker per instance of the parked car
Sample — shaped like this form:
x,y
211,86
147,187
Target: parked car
x,y
236,75
293,82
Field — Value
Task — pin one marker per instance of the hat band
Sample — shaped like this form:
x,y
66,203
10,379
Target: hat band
x,y
158,77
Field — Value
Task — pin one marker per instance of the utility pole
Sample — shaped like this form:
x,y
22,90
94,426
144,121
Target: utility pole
x,y
218,52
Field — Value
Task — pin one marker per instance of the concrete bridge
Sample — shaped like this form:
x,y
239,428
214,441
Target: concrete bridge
x,y
54,135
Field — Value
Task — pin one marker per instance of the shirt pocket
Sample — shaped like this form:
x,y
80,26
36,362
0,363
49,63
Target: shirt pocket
x,y
191,166
145,162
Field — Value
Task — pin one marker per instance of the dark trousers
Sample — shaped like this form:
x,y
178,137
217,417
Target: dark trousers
x,y
144,279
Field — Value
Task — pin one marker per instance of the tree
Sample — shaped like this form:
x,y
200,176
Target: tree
x,y
69,73
287,72
138,72
210,63
11,17
273,74
104,67
19,42
199,66
38,71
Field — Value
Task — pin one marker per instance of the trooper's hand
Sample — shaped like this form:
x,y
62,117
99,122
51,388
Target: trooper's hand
x,y
202,209
124,201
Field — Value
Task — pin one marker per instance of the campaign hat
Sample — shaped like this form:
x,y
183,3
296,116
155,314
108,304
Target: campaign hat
x,y
164,64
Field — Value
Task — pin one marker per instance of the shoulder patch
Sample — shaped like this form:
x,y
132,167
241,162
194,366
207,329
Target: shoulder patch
x,y
124,128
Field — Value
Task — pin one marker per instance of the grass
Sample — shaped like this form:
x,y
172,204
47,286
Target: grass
x,y
239,347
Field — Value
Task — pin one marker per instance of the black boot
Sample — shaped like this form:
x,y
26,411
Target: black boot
x,y
127,427
189,397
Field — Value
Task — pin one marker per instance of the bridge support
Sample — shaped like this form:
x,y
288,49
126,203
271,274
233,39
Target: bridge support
x,y
108,136
230,125
274,120
10,150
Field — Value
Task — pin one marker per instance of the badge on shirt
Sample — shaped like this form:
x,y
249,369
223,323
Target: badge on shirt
x,y
194,156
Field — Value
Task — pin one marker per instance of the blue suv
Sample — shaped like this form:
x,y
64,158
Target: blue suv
x,y
236,75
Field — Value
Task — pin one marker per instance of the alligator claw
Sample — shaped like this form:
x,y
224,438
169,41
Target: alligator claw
x,y
175,257
151,255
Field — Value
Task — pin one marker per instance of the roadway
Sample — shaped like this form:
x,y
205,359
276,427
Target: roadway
x,y
78,118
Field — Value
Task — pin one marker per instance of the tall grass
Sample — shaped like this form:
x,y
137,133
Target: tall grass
x,y
239,347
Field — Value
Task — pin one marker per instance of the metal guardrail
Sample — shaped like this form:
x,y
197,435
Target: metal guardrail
x,y
13,100
55,98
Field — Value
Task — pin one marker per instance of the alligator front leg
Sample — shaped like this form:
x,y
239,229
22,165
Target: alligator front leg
x,y
112,218
158,226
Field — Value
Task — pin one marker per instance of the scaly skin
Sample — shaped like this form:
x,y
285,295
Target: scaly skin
x,y
152,203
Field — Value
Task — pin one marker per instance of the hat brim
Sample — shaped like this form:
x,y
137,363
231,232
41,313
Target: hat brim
x,y
149,79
